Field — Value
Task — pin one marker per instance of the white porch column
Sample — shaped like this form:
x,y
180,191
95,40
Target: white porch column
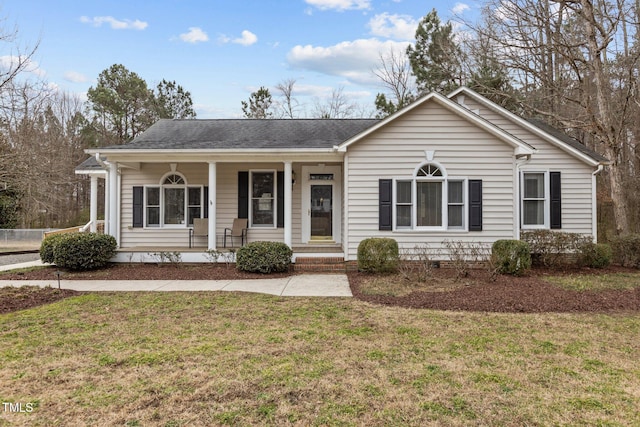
x,y
113,200
93,206
212,206
288,187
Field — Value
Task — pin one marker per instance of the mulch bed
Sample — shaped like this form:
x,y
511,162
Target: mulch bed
x,y
529,294
14,299
507,294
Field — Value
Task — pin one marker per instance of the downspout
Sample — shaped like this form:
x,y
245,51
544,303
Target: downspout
x,y
594,203
516,181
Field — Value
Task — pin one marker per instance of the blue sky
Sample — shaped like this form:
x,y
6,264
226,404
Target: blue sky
x,y
222,50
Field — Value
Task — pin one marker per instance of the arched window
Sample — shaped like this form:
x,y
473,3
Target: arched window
x,y
172,203
430,199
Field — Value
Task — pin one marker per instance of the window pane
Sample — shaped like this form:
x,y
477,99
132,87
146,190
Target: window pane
x,y
404,192
455,192
429,204
153,216
262,184
533,212
194,196
455,214
262,211
534,186
403,216
174,205
153,196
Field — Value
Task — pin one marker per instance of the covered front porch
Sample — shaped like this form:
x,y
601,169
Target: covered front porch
x,y
154,207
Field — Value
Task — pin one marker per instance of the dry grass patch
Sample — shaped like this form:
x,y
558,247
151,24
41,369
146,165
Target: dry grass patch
x,y
597,282
397,285
178,359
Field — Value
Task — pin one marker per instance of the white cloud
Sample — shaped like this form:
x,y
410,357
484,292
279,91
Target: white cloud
x,y
459,8
352,60
11,62
400,27
247,39
75,77
125,24
340,5
194,35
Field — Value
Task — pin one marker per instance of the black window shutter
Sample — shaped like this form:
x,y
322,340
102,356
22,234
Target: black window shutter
x,y
205,202
280,201
138,206
385,198
243,194
556,200
475,205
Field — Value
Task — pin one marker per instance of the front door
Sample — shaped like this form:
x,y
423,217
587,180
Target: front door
x,y
321,212
321,203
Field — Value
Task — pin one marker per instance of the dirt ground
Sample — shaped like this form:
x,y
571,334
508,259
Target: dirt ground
x,y
478,292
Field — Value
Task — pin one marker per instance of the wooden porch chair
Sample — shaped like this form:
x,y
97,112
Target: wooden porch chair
x,y
237,230
200,229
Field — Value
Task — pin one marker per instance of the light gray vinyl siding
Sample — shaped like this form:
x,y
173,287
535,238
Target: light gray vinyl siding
x,y
464,150
577,212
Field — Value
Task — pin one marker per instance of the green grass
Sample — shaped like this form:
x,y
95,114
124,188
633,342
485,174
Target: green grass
x,y
597,282
177,359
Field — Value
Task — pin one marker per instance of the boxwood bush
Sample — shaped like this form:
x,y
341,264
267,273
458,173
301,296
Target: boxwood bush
x,y
78,251
264,257
47,245
626,250
378,255
595,255
511,257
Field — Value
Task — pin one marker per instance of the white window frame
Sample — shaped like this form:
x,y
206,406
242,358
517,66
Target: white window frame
x,y
161,187
274,199
547,197
444,179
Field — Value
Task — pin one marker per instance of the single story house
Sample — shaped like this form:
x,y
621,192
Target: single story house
x,y
455,167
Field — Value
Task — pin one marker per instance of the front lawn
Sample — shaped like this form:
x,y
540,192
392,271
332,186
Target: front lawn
x,y
185,359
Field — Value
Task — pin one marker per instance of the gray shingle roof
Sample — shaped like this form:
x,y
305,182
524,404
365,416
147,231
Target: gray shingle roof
x,y
170,134
574,143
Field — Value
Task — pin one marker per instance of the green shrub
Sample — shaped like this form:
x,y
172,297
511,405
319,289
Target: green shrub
x,y
264,257
554,248
83,251
378,255
595,255
511,257
47,245
626,250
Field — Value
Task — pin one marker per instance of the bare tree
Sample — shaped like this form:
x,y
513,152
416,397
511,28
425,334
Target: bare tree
x,y
337,106
289,104
395,76
19,58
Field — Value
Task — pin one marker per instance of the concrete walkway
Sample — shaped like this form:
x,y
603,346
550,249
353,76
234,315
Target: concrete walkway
x,y
306,285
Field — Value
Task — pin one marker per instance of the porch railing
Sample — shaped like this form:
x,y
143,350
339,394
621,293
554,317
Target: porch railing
x,y
79,229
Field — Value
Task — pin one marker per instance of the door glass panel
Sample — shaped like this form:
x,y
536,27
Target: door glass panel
x,y
321,211
174,205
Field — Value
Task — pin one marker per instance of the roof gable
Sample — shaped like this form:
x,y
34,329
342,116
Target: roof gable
x,y
539,128
520,147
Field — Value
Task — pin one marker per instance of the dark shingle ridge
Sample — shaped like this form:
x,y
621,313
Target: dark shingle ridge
x,y
171,134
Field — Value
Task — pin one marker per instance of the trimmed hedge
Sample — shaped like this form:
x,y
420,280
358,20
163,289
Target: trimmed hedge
x,y
554,248
78,251
378,255
626,250
47,245
596,255
264,257
511,257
